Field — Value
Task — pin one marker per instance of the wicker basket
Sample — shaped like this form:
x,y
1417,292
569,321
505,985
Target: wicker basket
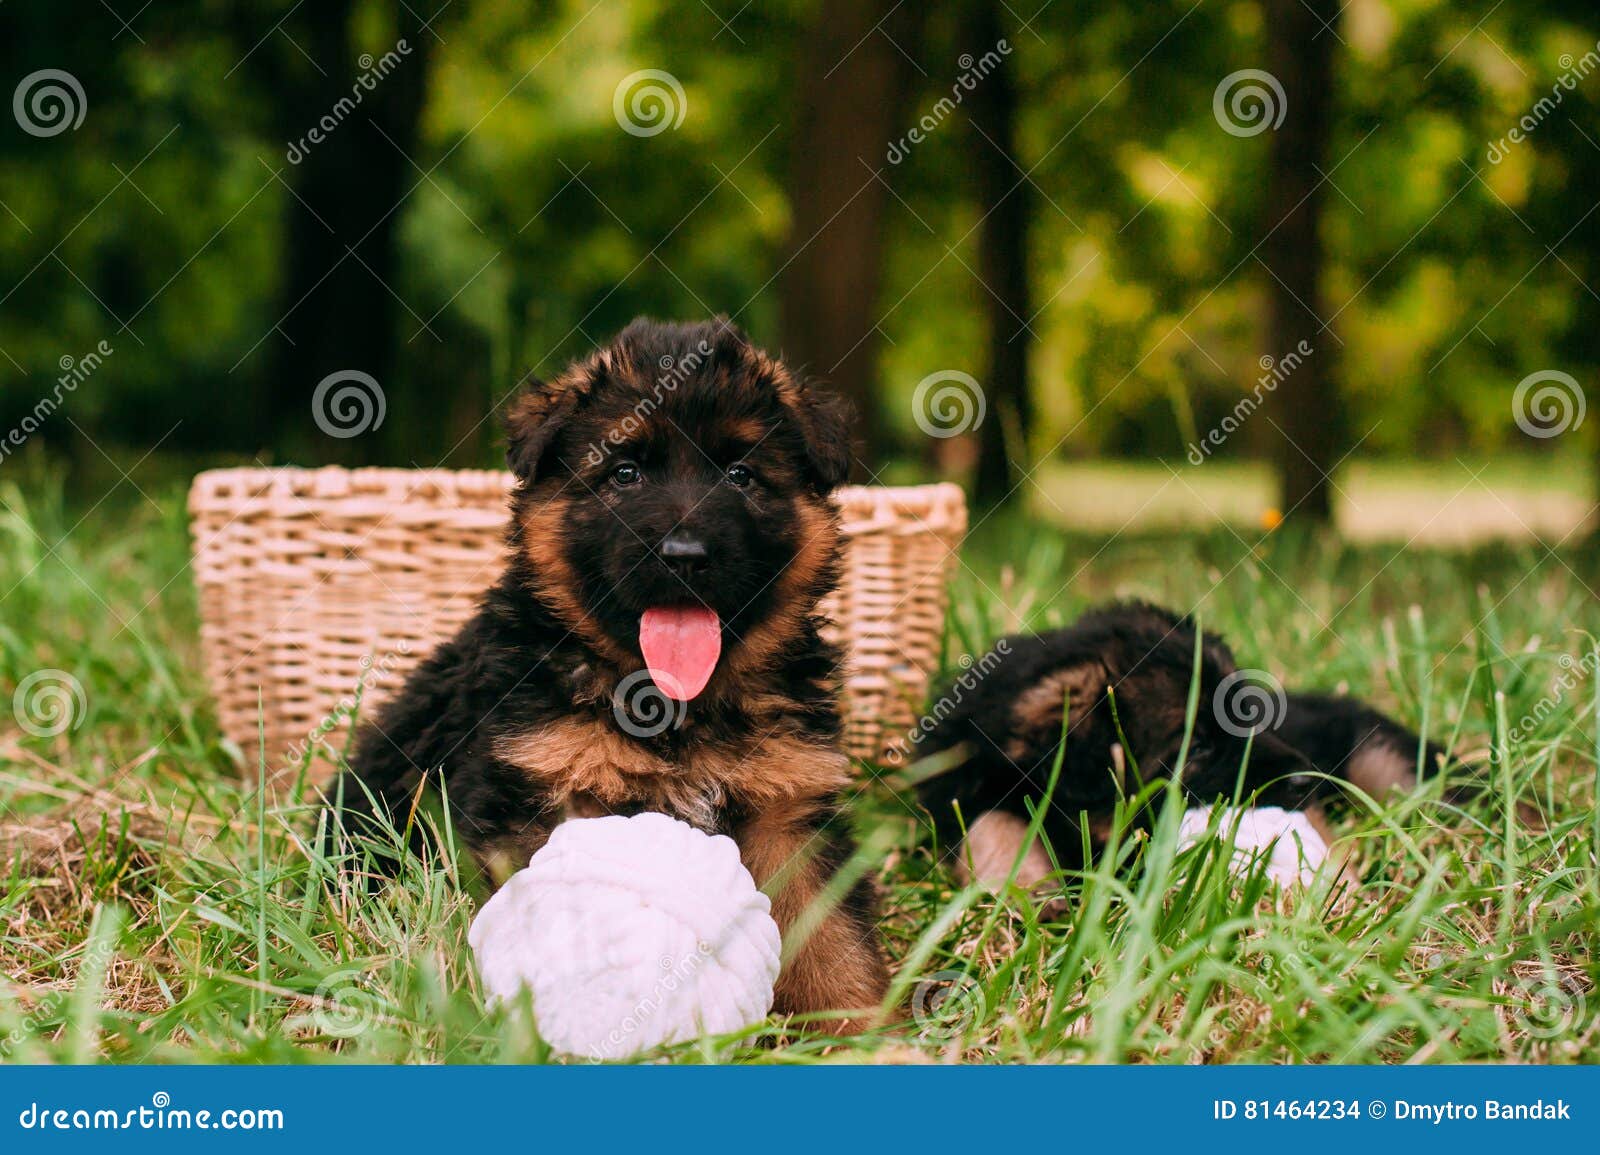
x,y
317,585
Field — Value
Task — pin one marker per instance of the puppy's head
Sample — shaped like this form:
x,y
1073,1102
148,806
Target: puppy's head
x,y
1234,724
673,501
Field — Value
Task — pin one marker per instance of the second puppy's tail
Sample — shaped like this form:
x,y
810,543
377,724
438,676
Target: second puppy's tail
x,y
1347,739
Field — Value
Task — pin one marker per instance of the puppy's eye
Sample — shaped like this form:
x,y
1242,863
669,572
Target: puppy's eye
x,y
740,475
626,473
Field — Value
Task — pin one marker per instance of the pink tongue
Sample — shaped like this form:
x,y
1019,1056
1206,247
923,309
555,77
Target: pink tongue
x,y
681,645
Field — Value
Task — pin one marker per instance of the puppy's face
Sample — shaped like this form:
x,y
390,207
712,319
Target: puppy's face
x,y
1234,727
673,505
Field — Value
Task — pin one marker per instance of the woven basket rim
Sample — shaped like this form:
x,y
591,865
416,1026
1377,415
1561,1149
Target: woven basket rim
x,y
230,484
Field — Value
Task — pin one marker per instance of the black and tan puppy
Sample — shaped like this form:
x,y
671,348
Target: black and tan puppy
x,y
653,643
1123,674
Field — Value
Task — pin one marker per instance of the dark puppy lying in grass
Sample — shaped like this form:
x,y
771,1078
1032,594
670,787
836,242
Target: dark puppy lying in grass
x,y
1124,675
653,644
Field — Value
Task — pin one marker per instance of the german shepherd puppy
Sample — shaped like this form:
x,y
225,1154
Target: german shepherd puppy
x,y
1123,675
653,643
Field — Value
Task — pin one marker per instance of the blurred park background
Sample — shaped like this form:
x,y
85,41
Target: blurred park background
x,y
1155,262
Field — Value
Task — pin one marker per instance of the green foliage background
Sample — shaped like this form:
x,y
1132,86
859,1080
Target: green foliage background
x,y
536,226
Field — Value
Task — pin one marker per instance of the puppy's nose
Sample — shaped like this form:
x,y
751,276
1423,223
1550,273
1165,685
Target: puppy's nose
x,y
683,551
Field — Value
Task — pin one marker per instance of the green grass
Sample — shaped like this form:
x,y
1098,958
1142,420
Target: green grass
x,y
156,909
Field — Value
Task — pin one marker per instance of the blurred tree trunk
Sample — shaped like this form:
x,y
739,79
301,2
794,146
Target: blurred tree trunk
x,y
854,89
338,304
1002,264
1308,409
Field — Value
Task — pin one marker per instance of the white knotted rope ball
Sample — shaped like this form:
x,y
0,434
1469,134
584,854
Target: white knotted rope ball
x,y
630,933
1295,848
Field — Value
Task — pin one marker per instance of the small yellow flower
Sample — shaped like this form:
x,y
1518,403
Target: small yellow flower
x,y
1271,519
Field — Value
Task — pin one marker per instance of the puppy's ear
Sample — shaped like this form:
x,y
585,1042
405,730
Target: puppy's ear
x,y
825,423
533,421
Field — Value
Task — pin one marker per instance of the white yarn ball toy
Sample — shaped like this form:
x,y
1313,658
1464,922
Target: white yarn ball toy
x,y
1295,848
630,933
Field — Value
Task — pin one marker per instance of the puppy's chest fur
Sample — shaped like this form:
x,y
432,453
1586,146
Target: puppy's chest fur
x,y
584,766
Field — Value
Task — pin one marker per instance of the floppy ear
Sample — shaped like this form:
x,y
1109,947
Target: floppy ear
x,y
825,424
533,421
